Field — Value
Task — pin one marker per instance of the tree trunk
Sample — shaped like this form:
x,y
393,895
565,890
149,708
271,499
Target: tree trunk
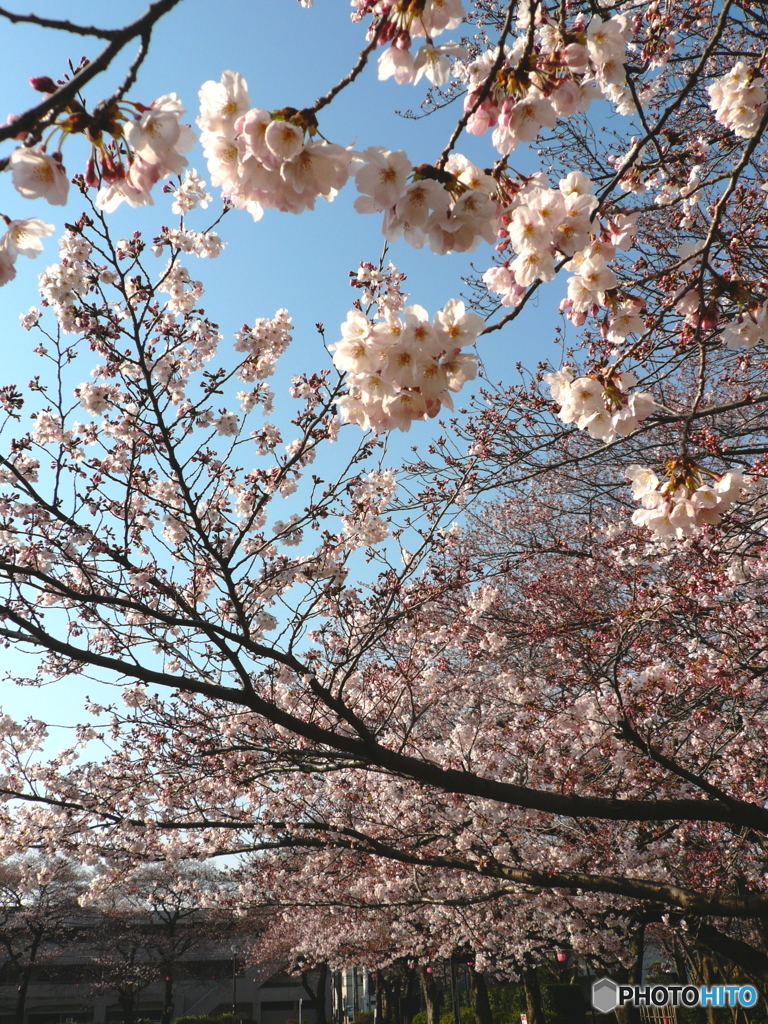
x,y
631,1014
338,997
321,993
532,996
393,992
708,977
390,996
382,1003
128,1004
455,993
479,991
412,1002
26,976
21,994
431,998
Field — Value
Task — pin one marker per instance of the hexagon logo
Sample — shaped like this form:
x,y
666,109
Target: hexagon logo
x,y
605,995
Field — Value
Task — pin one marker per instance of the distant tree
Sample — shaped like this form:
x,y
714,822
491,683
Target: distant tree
x,y
155,918
39,913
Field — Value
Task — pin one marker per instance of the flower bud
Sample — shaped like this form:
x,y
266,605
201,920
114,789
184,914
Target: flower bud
x,y
42,83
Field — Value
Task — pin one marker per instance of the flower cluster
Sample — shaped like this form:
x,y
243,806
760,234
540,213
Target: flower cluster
x,y
602,405
190,194
748,330
264,343
176,365
404,368
261,159
690,497
205,244
21,238
738,99
183,291
370,496
401,22
146,144
560,77
97,399
380,286
63,283
451,208
540,224
156,140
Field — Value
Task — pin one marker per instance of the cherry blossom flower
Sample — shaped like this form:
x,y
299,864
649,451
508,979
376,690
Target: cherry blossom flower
x,y
603,407
190,194
223,102
264,161
23,237
456,327
7,267
403,368
432,62
738,99
228,424
30,319
109,197
748,330
398,64
684,502
36,175
382,178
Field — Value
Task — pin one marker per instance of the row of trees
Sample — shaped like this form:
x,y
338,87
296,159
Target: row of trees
x,y
55,929
508,697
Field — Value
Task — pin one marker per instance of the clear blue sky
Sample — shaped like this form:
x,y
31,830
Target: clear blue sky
x,y
289,56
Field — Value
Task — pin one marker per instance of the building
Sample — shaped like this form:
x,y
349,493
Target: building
x,y
66,988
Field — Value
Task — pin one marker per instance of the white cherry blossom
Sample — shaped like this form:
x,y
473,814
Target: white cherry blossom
x,y
36,174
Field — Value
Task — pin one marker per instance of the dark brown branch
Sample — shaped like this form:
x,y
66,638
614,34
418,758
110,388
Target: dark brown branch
x,y
362,60
740,814
60,26
58,100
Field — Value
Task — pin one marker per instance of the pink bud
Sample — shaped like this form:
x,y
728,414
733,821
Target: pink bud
x,y
42,83
91,178
112,169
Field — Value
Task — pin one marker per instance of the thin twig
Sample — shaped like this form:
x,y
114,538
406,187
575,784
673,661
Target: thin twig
x,y
61,26
130,77
693,78
58,100
483,94
362,60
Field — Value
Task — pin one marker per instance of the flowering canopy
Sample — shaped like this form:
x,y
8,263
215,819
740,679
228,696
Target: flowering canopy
x,y
565,698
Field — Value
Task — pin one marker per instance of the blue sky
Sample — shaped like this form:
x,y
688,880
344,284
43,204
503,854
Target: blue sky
x,y
289,55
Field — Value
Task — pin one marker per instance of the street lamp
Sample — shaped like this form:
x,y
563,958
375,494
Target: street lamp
x,y
235,951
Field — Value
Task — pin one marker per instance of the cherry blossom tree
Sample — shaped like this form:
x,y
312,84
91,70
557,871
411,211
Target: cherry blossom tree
x,y
538,723
39,914
153,924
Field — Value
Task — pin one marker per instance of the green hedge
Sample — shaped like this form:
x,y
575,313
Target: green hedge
x,y
562,1004
224,1018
